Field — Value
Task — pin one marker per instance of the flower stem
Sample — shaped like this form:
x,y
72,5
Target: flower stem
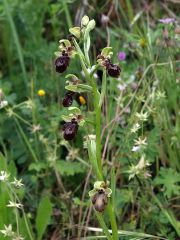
x,y
103,225
112,218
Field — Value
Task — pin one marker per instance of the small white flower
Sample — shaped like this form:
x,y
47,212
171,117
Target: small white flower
x,y
14,205
132,78
35,128
140,168
10,112
142,116
142,163
7,231
139,144
135,148
4,176
43,139
3,104
29,104
122,86
135,128
160,95
17,183
72,154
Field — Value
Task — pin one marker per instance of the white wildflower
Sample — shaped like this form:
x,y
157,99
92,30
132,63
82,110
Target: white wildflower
x,y
139,144
10,112
4,176
140,168
43,139
160,95
17,183
135,148
14,205
7,231
3,104
142,163
135,128
29,104
122,86
142,116
72,154
35,128
132,78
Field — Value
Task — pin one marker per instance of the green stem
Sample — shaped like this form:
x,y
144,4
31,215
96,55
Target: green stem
x,y
23,212
112,218
86,55
26,140
98,133
103,225
103,91
96,160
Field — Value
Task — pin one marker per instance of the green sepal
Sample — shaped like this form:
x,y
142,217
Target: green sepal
x,y
76,31
74,110
66,42
99,185
92,192
79,88
81,122
71,76
67,118
57,54
107,52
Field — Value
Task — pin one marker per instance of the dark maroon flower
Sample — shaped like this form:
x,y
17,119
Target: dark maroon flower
x,y
62,63
113,70
68,99
70,130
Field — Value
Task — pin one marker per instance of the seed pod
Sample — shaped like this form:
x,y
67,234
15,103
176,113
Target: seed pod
x,y
100,200
70,130
62,62
68,99
113,70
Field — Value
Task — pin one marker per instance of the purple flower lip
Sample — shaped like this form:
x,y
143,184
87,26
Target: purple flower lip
x,y
166,20
121,56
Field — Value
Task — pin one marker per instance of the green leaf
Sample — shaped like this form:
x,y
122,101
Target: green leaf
x,y
69,168
43,216
170,180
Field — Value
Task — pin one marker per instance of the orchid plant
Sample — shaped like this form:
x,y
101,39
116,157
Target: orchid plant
x,y
102,196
